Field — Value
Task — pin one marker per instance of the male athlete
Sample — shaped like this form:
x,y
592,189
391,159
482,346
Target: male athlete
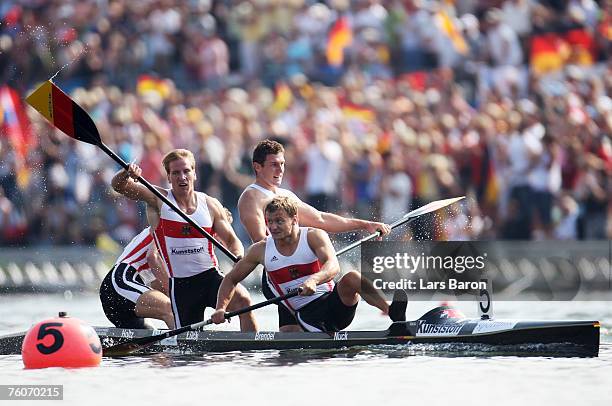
x,y
269,167
188,255
297,257
126,292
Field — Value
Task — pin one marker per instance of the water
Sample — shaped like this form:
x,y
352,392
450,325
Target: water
x,y
405,375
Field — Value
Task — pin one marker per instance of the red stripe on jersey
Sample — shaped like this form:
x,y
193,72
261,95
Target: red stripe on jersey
x,y
212,254
161,246
179,229
147,240
143,267
293,272
279,290
140,258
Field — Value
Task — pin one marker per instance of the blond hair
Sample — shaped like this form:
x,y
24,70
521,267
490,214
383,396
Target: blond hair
x,y
282,203
175,155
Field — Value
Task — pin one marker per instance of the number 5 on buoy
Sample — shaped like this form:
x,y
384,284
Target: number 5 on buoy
x,y
61,342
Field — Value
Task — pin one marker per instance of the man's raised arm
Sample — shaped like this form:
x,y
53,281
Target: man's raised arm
x,y
124,182
332,223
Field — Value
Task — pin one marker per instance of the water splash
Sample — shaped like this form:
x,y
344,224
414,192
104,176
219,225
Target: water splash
x,y
84,49
56,73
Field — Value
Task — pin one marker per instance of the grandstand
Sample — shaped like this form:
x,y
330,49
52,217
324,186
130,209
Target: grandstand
x,y
507,102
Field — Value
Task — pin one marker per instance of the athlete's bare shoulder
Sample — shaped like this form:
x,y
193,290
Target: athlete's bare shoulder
x,y
316,235
251,198
247,194
209,198
213,203
318,241
256,252
288,193
259,245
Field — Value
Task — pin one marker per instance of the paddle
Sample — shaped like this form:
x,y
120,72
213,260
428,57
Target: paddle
x,y
50,101
406,219
131,346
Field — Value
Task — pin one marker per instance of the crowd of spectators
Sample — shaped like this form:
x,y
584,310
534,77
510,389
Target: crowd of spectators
x,y
434,99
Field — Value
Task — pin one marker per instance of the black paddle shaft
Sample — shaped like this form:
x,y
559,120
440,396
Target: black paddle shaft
x,y
164,199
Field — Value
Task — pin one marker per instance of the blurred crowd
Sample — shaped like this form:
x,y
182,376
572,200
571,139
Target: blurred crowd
x,y
504,101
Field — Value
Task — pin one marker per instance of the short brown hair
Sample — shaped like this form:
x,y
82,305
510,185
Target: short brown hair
x,y
177,154
265,148
282,203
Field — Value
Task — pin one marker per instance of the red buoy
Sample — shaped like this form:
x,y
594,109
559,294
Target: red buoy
x,y
61,342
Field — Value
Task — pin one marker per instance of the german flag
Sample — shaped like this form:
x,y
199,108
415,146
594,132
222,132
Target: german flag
x,y
340,37
148,83
64,113
352,110
582,44
283,98
548,53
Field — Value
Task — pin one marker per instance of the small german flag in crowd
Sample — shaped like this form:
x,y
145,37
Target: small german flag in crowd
x,y
340,37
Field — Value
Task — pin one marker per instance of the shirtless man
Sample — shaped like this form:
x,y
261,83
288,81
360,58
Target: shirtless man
x,y
189,257
269,167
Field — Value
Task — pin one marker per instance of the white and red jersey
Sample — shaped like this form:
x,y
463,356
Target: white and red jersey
x,y
185,251
135,253
286,274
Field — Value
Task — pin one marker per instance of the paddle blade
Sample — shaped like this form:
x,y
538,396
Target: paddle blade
x,y
121,350
433,206
61,111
